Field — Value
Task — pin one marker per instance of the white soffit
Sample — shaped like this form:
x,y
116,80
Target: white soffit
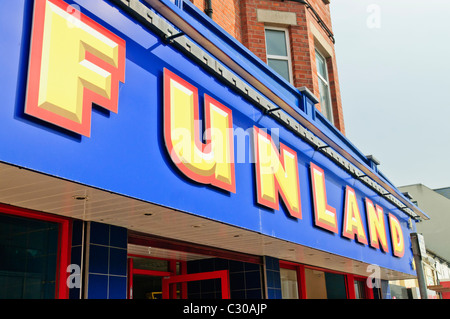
x,y
27,189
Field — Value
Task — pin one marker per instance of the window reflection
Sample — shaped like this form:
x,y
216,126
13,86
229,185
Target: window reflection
x,y
289,284
324,285
28,258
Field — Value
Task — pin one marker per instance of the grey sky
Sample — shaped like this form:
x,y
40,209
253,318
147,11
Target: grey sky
x,y
393,61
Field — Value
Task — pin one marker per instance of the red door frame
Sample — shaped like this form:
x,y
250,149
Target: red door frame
x,y
219,274
170,277
368,292
172,272
300,270
349,280
64,243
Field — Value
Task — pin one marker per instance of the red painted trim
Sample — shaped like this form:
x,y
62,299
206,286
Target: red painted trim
x,y
301,281
275,205
350,281
219,274
173,271
89,97
296,267
136,271
288,264
65,246
130,278
183,270
211,179
369,292
64,243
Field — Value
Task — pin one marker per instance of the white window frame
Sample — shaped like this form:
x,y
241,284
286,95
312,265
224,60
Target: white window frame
x,y
281,57
329,108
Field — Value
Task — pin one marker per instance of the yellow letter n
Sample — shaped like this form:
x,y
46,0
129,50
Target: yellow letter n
x,y
276,174
74,62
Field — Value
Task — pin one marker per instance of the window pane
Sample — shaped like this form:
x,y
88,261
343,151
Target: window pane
x,y
321,66
280,66
150,264
325,102
276,42
147,287
315,284
289,285
28,258
324,285
335,286
359,290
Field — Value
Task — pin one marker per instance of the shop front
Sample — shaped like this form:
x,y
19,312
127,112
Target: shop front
x,y
145,154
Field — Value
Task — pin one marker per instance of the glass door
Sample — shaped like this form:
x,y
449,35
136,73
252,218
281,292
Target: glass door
x,y
34,254
155,278
222,275
145,276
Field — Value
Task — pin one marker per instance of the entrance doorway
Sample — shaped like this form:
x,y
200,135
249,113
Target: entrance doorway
x,y
147,287
157,278
145,276
222,275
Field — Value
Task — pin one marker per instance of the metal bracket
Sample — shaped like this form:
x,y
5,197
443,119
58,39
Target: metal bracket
x,y
272,110
169,39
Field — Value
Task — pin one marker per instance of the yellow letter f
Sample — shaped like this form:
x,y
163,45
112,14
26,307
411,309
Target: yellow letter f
x,y
74,62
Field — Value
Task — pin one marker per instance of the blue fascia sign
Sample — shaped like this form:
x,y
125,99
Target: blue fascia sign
x,y
90,95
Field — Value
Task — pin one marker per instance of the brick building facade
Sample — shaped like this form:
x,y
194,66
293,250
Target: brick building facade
x,y
308,28
147,154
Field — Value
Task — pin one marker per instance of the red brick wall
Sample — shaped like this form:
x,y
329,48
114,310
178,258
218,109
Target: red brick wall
x,y
226,13
323,11
239,18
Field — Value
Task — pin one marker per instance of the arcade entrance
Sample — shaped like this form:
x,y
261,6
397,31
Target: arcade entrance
x,y
159,278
